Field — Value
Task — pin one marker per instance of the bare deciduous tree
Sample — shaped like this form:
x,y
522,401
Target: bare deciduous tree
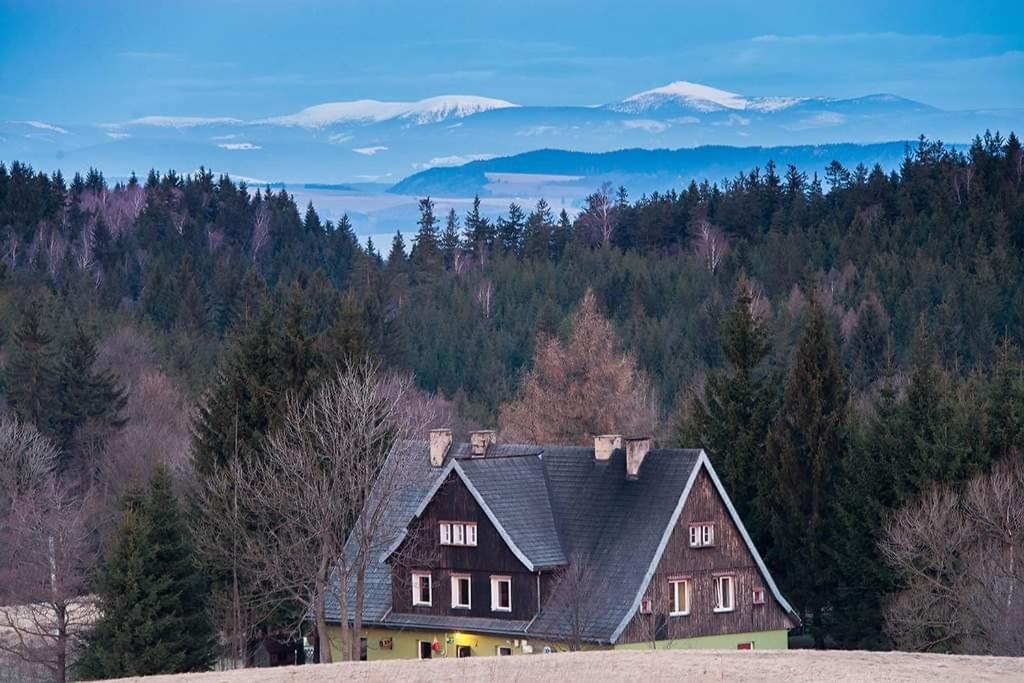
x,y
260,230
47,555
598,218
710,245
323,478
958,554
585,387
573,595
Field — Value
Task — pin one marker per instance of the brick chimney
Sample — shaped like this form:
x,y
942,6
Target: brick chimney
x,y
440,442
605,444
480,441
637,448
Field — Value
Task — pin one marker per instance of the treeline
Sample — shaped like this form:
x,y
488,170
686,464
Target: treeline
x,y
878,313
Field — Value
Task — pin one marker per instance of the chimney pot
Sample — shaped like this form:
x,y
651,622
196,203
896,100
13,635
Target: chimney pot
x,y
440,442
605,444
637,448
480,441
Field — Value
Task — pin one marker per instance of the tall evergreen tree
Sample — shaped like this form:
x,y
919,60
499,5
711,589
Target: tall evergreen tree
x,y
153,600
561,235
450,241
732,422
510,229
1004,406
426,255
85,395
537,233
805,447
479,233
30,373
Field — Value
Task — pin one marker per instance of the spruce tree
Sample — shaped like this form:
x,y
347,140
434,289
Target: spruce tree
x,y
30,373
732,422
426,256
479,233
85,395
153,600
450,240
561,236
510,229
242,402
537,233
1004,406
805,447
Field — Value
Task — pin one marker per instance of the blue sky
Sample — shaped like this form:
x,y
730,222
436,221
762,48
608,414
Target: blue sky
x,y
100,61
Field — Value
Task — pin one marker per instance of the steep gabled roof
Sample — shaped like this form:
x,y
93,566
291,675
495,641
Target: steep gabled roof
x,y
513,493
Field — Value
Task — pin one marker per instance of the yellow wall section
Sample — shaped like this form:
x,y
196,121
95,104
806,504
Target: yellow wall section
x,y
405,644
762,640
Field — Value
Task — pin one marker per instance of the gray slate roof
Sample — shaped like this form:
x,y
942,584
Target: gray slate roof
x,y
554,505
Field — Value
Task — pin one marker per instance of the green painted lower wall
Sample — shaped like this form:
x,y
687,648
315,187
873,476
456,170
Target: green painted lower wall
x,y
760,640
405,644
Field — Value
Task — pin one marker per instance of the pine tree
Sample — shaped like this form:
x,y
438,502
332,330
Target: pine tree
x,y
510,229
537,233
561,236
478,231
294,351
1004,406
426,255
153,600
30,374
450,241
732,422
241,405
85,395
806,444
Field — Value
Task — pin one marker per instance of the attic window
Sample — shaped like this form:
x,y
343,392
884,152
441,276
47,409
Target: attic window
x,y
758,596
725,593
422,589
458,533
702,535
646,606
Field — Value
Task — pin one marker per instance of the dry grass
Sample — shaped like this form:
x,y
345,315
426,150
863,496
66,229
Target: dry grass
x,y
647,666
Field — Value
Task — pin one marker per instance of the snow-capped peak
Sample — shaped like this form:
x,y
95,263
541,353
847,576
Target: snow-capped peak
x,y
430,110
700,98
693,94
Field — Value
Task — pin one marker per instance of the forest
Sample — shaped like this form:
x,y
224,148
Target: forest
x,y
845,346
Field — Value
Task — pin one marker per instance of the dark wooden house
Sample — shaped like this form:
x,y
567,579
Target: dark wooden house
x,y
516,548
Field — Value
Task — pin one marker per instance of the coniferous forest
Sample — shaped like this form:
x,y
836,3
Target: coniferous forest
x,y
839,340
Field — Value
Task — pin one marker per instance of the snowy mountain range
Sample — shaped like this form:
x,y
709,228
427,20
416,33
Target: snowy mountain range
x,y
377,141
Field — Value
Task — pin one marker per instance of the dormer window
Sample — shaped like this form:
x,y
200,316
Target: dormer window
x,y
458,533
702,535
422,589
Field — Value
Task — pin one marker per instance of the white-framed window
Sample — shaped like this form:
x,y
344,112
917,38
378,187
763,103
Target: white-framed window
x,y
702,535
422,588
725,593
501,594
458,533
757,596
462,589
679,597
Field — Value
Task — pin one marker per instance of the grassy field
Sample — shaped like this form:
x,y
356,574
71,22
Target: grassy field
x,y
647,666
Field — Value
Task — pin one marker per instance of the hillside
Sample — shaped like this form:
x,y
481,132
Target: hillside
x,y
640,170
660,665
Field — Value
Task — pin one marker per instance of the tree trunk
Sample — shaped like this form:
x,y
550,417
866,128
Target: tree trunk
x,y
320,612
357,621
62,645
346,647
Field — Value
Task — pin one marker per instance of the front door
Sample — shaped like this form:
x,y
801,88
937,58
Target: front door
x,y
425,649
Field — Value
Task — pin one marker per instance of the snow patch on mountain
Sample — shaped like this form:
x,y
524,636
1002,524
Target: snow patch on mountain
x,y
430,110
176,121
701,98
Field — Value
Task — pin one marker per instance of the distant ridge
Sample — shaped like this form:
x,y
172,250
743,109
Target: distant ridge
x,y
645,170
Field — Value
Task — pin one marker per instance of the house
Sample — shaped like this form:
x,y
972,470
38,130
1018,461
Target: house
x,y
501,549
